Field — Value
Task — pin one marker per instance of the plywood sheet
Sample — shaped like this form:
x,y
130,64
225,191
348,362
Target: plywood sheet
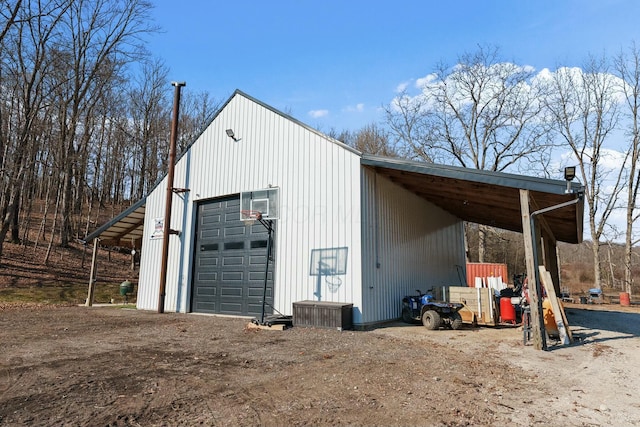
x,y
558,313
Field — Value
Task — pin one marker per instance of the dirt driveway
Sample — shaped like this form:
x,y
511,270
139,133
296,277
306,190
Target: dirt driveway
x,y
115,367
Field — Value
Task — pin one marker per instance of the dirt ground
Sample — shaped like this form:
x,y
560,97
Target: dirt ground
x,y
108,366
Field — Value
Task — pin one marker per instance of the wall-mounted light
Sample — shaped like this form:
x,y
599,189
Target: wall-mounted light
x,y
569,175
232,135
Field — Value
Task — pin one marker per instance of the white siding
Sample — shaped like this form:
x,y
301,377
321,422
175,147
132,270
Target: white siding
x,y
408,244
319,184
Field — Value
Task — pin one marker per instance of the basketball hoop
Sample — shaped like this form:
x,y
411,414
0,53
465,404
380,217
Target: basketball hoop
x,y
333,282
249,216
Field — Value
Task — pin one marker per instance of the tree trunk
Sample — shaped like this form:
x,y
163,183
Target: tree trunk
x,y
596,265
67,207
482,242
628,253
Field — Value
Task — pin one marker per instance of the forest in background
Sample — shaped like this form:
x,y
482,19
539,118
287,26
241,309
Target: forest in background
x,y
85,122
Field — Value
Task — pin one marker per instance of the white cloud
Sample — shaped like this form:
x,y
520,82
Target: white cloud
x,y
358,108
612,159
402,87
316,114
426,80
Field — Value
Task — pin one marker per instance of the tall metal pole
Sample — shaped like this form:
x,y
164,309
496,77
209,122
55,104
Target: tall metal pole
x,y
269,225
167,213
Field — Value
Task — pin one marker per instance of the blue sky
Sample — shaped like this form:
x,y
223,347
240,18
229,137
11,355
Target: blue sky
x,y
332,64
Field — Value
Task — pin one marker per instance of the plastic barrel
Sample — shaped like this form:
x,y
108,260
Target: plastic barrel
x,y
624,299
507,310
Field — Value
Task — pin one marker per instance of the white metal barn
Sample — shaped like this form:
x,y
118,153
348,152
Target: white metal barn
x,y
395,226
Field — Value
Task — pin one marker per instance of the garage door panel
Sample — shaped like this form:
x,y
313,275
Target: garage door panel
x,y
207,291
231,291
208,262
258,275
231,308
204,307
210,208
232,216
210,234
229,261
232,276
213,219
234,231
254,309
256,292
207,277
257,260
236,245
258,244
233,260
209,247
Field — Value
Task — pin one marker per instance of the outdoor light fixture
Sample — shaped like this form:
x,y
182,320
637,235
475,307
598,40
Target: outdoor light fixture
x,y
569,175
232,135
569,172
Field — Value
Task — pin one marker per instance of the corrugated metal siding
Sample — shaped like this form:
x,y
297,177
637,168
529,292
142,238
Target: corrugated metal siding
x,y
485,270
415,244
319,203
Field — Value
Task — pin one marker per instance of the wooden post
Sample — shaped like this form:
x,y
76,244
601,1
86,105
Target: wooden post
x,y
92,274
528,234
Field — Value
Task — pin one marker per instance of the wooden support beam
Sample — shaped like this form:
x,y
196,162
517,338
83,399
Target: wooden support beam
x,y
539,342
92,274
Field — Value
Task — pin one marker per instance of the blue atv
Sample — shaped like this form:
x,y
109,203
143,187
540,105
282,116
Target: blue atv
x,y
433,314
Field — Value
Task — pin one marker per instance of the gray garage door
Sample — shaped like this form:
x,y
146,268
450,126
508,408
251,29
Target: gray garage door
x,y
229,261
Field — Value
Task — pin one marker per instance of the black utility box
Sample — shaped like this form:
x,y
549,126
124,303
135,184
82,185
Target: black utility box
x,y
320,314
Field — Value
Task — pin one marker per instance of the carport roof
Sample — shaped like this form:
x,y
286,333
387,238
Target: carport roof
x,y
484,197
125,229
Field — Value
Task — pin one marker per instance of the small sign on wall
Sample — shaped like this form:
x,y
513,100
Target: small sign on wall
x,y
158,228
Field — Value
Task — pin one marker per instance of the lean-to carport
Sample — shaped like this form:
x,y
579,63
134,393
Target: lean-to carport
x,y
544,211
125,229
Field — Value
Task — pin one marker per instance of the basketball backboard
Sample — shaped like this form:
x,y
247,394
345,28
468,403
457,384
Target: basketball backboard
x,y
265,201
328,261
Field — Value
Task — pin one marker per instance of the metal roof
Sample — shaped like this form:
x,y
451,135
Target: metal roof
x,y
485,197
125,229
478,196
482,197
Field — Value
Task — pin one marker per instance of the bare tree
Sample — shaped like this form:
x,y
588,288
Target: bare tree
x,y
148,109
484,113
197,111
372,139
9,12
628,69
26,82
102,37
412,123
345,136
584,106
